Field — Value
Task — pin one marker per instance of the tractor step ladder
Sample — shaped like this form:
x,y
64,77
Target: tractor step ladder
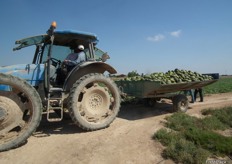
x,y
55,104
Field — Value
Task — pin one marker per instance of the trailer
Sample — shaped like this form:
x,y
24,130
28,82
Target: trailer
x,y
151,91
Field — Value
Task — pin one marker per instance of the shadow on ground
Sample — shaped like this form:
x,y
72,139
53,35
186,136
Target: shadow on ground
x,y
140,111
127,111
66,126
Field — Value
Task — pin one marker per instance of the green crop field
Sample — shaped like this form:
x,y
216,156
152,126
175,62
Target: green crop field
x,y
223,85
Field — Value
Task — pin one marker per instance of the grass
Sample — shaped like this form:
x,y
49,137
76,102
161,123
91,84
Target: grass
x,y
225,115
193,140
223,85
179,149
209,140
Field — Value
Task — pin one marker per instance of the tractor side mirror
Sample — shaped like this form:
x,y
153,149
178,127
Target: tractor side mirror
x,y
105,56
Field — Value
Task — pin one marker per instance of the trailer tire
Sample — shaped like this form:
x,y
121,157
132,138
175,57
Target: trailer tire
x,y
180,103
94,102
20,111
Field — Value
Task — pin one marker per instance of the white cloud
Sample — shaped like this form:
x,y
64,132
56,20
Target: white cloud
x,y
176,33
156,38
159,37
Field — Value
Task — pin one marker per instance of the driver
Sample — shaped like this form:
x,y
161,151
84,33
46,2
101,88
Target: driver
x,y
77,57
70,62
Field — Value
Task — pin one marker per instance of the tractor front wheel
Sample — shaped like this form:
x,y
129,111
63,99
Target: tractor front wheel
x,y
94,101
20,111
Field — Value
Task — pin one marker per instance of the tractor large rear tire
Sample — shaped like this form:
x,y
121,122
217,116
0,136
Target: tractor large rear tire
x,y
94,102
20,111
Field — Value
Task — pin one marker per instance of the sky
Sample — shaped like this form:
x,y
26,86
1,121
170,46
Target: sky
x,y
144,36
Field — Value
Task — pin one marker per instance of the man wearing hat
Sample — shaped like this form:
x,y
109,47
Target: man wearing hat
x,y
76,57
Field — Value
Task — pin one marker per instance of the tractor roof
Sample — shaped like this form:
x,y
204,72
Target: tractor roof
x,y
68,38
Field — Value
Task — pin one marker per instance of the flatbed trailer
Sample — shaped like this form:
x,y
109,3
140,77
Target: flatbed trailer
x,y
152,91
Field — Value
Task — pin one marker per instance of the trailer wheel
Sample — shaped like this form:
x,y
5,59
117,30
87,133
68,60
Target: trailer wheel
x,y
180,103
94,102
20,111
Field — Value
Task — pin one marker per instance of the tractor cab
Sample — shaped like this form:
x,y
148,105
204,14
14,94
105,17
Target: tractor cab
x,y
50,56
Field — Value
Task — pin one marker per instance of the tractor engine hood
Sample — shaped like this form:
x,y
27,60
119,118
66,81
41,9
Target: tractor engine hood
x,y
32,73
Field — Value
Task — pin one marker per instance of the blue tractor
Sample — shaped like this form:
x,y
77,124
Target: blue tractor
x,y
49,85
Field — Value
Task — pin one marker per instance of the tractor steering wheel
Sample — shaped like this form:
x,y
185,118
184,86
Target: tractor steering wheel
x,y
55,61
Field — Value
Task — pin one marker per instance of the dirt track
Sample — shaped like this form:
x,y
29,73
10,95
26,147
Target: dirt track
x,y
128,139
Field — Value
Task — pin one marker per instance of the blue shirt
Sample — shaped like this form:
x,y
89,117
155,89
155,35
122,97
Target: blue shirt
x,y
76,58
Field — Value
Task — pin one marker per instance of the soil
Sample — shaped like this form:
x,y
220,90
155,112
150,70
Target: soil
x,y
127,140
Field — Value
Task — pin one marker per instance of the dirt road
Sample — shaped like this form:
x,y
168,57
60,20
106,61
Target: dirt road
x,y
127,141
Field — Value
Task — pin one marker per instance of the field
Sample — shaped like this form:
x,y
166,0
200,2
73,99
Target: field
x,y
223,85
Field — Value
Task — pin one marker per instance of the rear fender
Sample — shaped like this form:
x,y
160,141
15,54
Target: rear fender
x,y
86,68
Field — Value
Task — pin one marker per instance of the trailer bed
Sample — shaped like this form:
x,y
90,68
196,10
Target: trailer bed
x,y
149,89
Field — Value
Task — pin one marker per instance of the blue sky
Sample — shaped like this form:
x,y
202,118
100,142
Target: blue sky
x,y
145,36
